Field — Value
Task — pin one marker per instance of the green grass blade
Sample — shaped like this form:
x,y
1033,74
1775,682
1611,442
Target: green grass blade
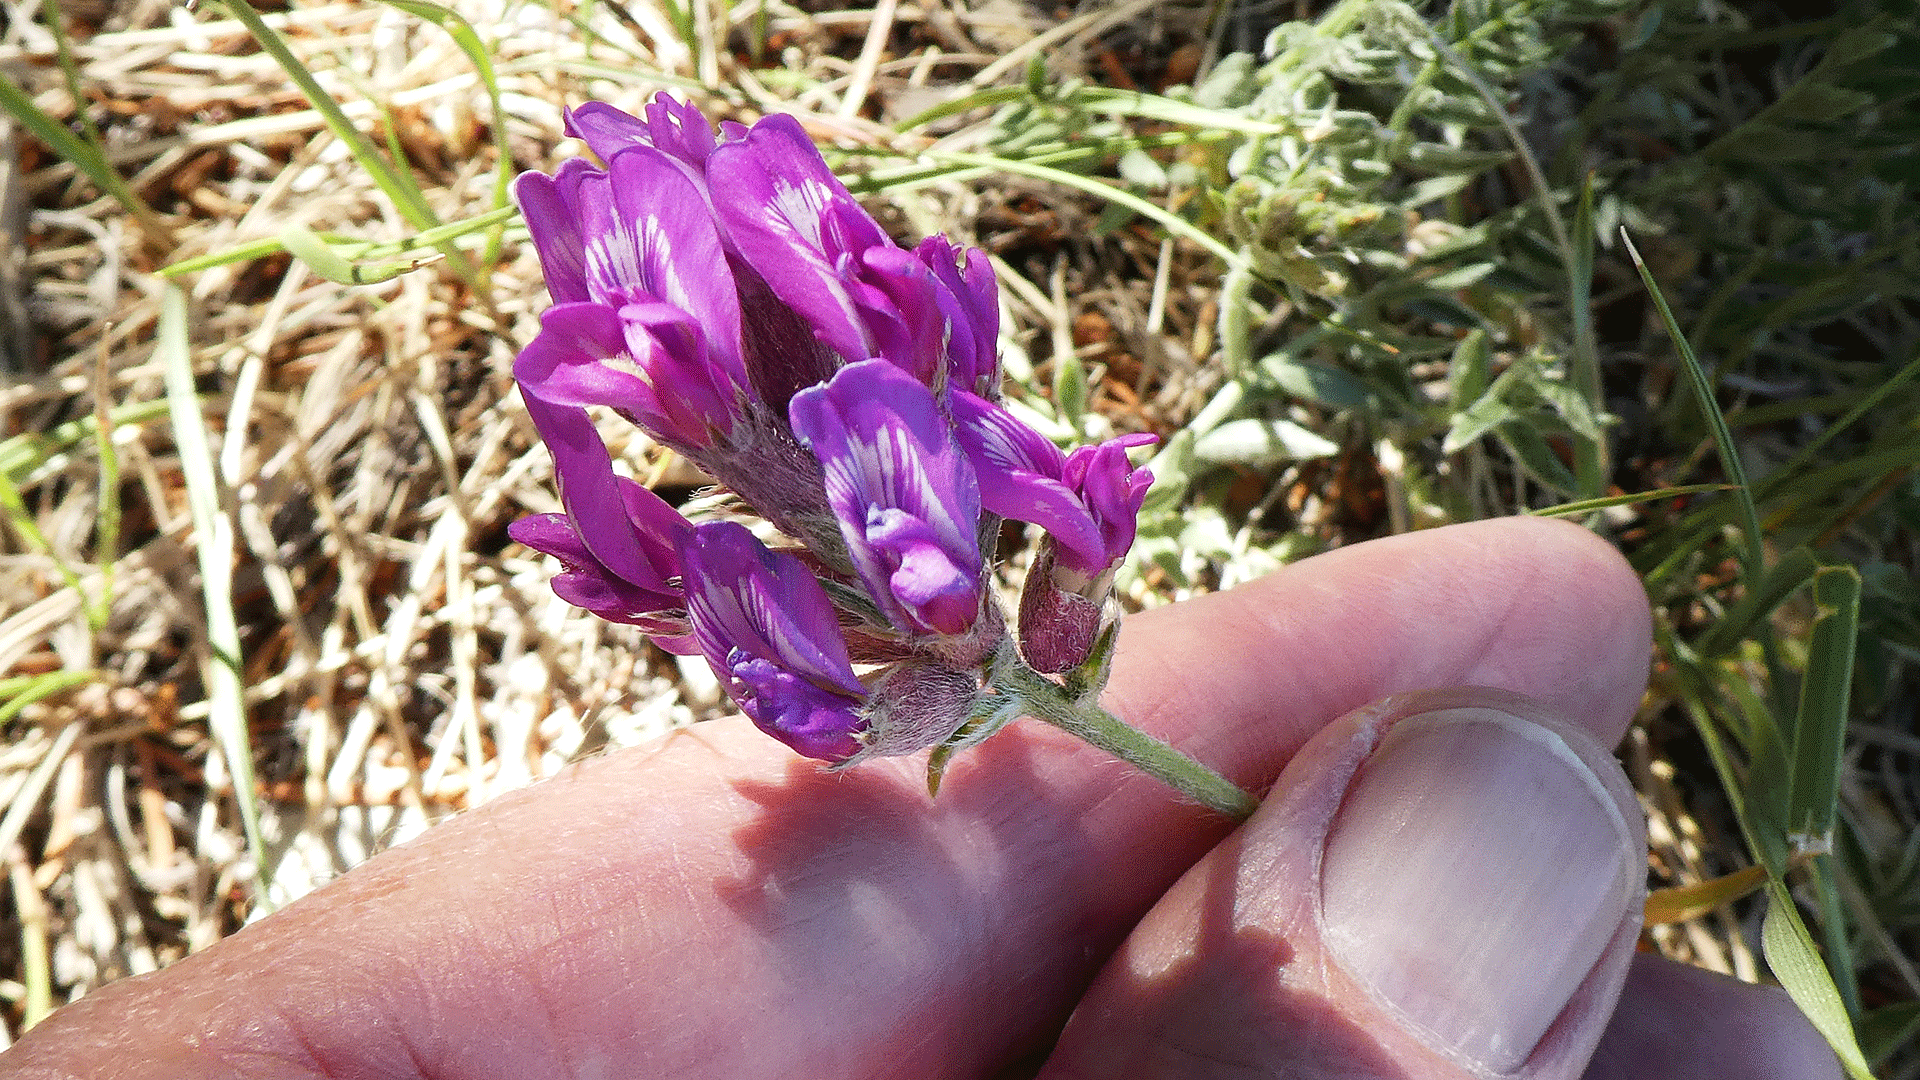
x,y
213,541
1764,594
1173,223
21,691
481,57
1792,467
247,252
89,159
355,259
1796,963
1835,931
397,184
1590,455
1106,100
1753,555
1820,729
1588,506
29,450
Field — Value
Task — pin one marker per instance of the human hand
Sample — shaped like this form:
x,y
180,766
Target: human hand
x,y
715,907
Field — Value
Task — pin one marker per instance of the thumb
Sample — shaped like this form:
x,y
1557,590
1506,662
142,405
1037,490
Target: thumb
x,y
1443,885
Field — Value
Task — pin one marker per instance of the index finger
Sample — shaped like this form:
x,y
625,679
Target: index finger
x,y
716,907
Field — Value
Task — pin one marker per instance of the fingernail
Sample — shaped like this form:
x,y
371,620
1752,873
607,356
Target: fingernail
x,y
1475,873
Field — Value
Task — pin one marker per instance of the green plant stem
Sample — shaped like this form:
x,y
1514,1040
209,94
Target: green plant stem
x,y
1084,719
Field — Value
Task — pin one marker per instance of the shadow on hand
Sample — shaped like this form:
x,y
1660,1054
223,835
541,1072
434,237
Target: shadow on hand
x,y
967,926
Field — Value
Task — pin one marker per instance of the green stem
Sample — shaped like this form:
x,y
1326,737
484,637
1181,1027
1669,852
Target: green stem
x,y
1086,720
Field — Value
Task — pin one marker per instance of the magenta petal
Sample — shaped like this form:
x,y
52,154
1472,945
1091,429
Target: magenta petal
x,y
677,251
586,583
771,635
1112,491
790,218
970,300
607,130
1022,474
906,317
550,205
580,358
671,126
679,129
622,528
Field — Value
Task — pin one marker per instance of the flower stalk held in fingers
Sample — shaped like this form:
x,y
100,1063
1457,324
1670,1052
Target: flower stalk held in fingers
x,y
726,294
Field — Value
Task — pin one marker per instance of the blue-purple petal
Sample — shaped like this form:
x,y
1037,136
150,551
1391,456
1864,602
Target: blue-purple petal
x,y
769,631
906,498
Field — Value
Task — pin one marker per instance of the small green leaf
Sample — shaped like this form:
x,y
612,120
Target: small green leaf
x,y
1470,425
1534,454
1859,43
1471,370
1441,158
1460,277
1796,963
1259,442
1820,730
1070,388
1315,382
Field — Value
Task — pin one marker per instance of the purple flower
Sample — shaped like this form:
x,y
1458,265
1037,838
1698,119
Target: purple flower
x,y
647,321
671,126
788,217
767,627
970,301
617,541
906,499
1087,501
1112,490
728,295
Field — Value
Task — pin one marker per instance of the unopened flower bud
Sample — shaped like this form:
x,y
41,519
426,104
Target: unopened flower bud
x,y
1058,626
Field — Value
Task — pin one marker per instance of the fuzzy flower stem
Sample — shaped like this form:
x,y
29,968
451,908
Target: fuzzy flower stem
x,y
1086,720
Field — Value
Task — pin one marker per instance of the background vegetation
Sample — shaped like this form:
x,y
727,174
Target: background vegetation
x,y
1364,267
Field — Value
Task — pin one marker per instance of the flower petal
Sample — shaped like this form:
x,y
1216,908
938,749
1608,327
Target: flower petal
x,y
1113,491
906,498
973,343
628,530
676,249
580,357
792,220
1022,473
586,583
771,635
551,206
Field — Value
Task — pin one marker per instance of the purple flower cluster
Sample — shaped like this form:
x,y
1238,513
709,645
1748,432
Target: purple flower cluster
x,y
728,296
